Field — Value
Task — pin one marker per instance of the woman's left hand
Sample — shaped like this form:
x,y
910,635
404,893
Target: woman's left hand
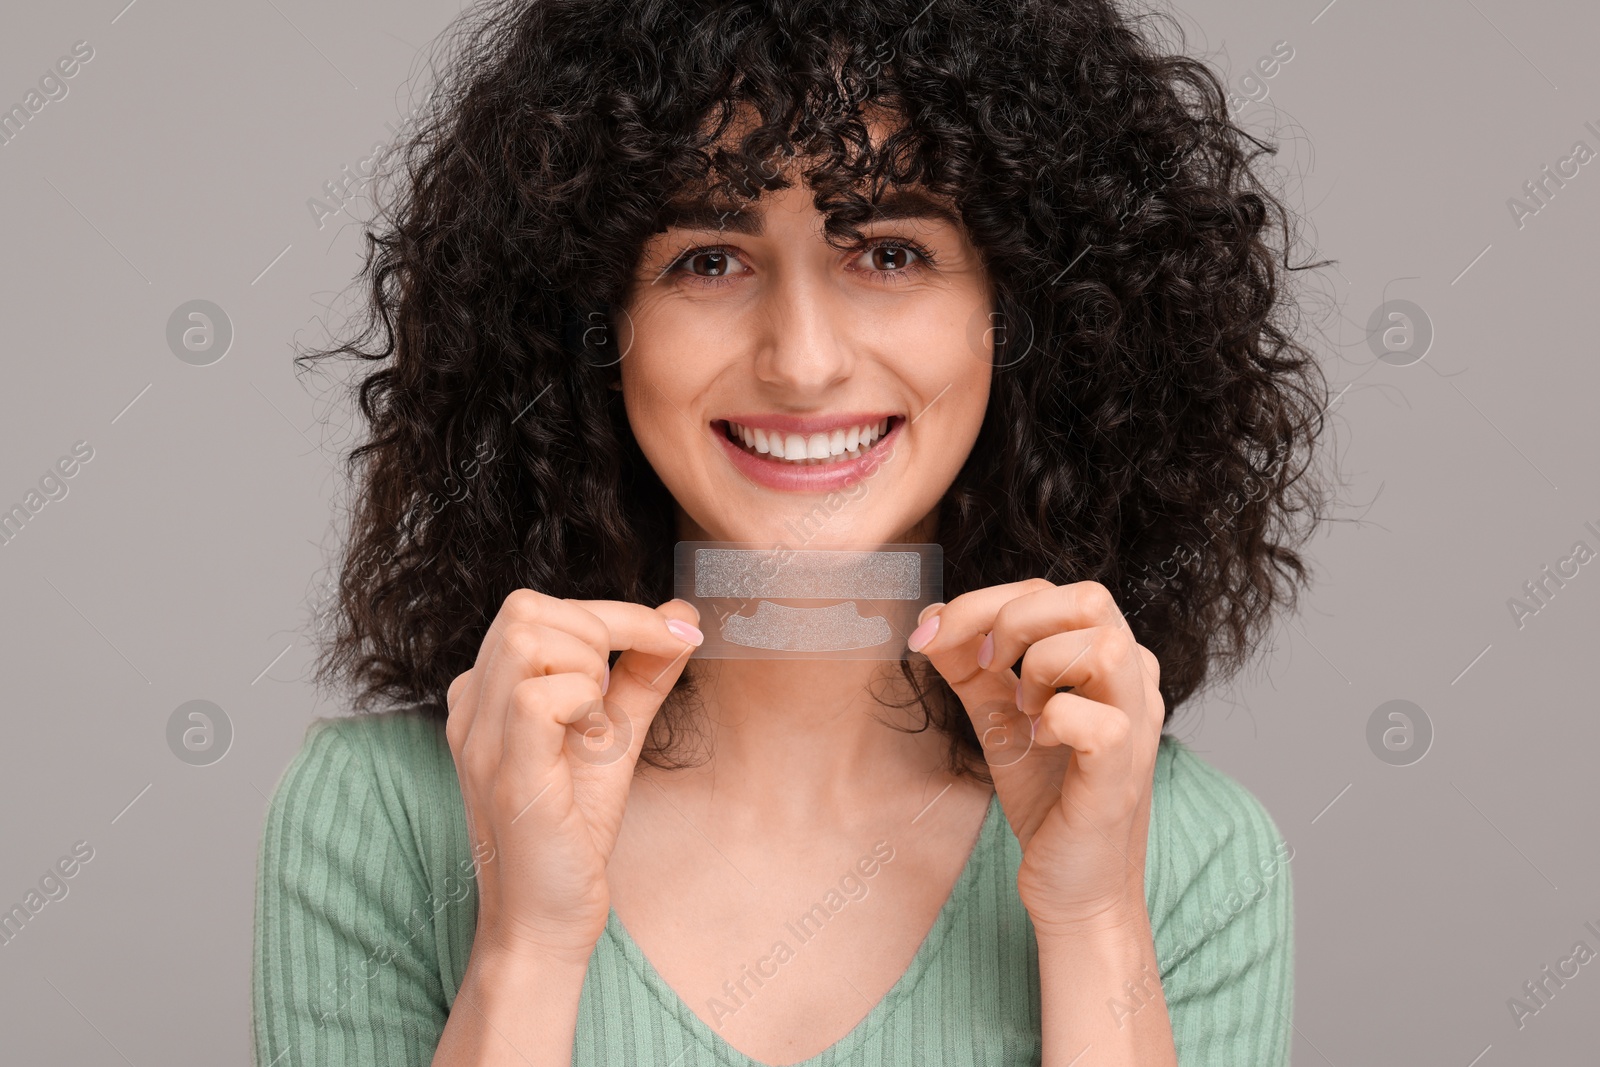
x,y
1073,770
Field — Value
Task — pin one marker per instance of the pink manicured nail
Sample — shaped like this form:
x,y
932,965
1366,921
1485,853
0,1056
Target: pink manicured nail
x,y
986,652
605,683
923,614
923,634
685,632
1019,694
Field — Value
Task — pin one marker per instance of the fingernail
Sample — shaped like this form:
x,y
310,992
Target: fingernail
x,y
986,652
684,632
923,634
605,683
923,614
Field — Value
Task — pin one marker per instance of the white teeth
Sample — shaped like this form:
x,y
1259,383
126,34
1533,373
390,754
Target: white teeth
x,y
842,443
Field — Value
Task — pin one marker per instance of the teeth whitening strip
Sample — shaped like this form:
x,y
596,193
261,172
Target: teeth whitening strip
x,y
856,602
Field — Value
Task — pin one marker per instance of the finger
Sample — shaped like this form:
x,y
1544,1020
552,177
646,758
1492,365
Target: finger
x,y
648,667
970,616
1100,736
539,712
520,605
1004,733
460,699
1152,690
635,626
520,632
1101,663
959,629
1023,620
526,650
982,693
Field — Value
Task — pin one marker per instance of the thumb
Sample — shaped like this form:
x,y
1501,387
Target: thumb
x,y
641,678
1004,731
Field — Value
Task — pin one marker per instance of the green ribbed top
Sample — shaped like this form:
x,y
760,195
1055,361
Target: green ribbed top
x,y
365,910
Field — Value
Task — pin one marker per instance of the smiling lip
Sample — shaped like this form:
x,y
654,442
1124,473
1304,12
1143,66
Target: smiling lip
x,y
816,478
807,425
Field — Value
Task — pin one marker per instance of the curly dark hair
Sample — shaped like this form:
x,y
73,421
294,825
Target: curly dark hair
x,y
1151,417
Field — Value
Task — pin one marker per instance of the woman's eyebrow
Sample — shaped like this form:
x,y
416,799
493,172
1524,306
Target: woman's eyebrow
x,y
912,204
705,215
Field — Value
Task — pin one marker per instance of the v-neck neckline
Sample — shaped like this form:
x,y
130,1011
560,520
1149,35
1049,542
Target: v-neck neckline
x,y
847,1045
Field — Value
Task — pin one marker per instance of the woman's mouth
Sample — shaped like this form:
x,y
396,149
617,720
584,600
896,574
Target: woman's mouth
x,y
817,461
818,449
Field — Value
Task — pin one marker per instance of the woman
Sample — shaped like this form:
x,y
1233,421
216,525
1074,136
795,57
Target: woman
x,y
993,276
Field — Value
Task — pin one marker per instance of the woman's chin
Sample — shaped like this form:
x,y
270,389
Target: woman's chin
x,y
799,527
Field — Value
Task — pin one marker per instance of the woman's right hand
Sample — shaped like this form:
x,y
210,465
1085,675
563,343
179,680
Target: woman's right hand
x,y
545,764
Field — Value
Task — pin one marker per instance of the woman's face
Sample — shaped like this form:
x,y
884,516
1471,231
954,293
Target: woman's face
x,y
867,369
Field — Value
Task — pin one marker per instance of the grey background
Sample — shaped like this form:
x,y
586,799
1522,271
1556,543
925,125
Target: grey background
x,y
185,559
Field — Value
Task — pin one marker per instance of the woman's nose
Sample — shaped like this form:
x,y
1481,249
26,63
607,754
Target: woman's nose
x,y
804,344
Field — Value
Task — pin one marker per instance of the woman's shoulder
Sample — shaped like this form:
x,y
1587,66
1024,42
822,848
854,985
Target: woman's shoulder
x,y
1188,780
398,758
398,737
1215,854
1200,814
367,820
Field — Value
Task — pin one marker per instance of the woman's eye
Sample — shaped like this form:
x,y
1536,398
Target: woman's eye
x,y
886,260
890,257
717,263
898,260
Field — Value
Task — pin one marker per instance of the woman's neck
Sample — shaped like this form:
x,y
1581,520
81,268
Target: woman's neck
x,y
792,742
